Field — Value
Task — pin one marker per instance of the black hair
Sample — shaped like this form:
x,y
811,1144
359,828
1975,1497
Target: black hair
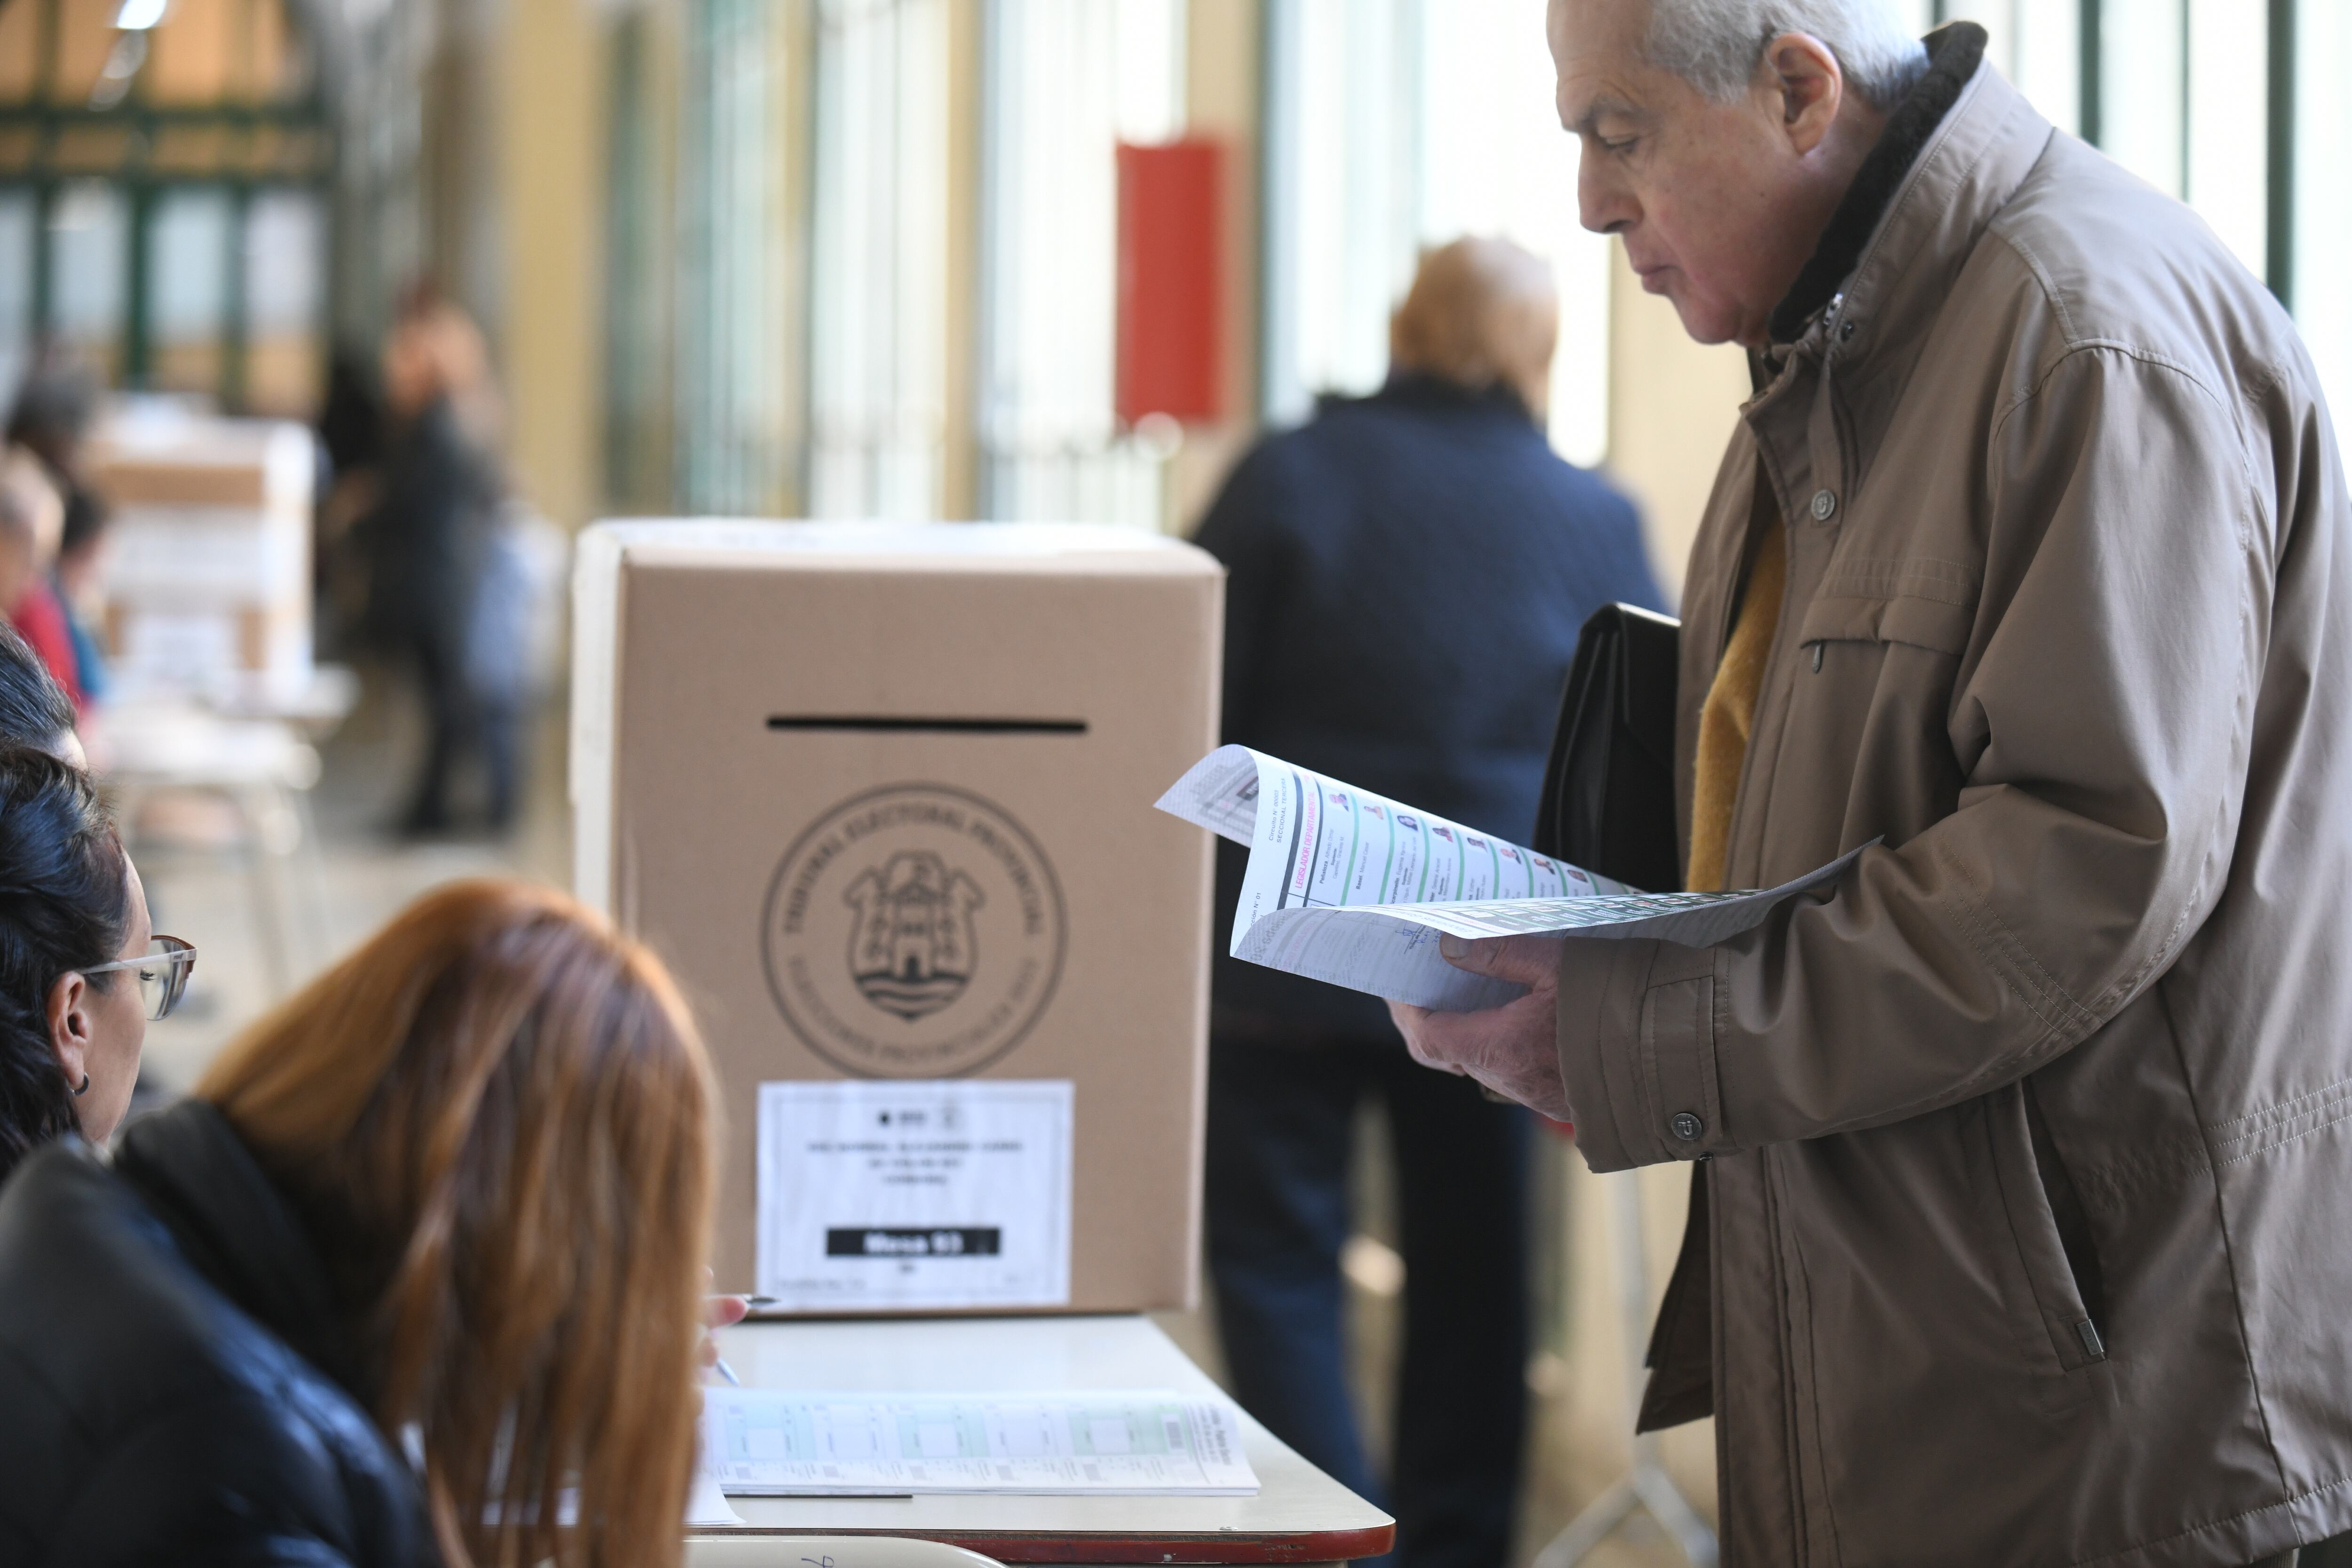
x,y
65,904
35,711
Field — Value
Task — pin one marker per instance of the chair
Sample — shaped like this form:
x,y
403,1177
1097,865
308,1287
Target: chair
x,y
763,1551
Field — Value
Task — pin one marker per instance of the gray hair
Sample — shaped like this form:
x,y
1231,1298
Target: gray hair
x,y
1716,44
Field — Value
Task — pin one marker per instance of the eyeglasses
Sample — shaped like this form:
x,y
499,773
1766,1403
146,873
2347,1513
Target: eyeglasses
x,y
164,971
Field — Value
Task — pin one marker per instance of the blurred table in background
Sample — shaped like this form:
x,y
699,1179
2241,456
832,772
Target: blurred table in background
x,y
207,582
162,761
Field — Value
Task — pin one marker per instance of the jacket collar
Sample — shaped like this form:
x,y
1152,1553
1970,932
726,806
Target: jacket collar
x,y
238,1229
1974,157
1953,54
1420,389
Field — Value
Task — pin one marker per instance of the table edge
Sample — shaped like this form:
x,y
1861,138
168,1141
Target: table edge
x,y
1217,1546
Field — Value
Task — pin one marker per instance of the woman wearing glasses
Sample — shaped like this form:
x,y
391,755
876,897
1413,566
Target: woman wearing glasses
x,y
80,970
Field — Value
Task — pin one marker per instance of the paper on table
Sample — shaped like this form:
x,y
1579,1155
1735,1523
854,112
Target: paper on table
x,y
706,1502
1348,887
767,1442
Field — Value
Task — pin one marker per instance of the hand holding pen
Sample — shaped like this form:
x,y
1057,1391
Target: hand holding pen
x,y
717,1312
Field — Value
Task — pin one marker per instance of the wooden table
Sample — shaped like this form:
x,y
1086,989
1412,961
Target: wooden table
x,y
1299,1515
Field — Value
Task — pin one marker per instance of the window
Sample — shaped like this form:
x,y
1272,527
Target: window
x,y
2321,229
878,266
1066,80
284,262
1396,125
160,196
88,273
636,279
188,262
18,234
2173,92
734,440
2036,44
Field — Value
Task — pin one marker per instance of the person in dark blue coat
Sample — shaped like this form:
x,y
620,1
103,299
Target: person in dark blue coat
x,y
1409,572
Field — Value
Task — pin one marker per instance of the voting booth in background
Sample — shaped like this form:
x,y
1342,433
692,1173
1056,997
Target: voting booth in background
x,y
882,797
207,574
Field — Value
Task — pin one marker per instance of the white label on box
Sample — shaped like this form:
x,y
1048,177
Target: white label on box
x,y
899,1193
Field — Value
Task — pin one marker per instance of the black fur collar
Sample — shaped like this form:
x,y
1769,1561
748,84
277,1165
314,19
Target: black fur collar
x,y
1953,54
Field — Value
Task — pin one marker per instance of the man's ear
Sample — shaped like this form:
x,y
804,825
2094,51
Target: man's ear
x,y
68,1016
1804,72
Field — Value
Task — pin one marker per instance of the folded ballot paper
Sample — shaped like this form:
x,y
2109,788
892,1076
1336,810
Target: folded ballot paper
x,y
1346,887
766,1442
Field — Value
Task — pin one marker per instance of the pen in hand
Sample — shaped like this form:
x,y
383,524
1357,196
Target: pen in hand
x,y
725,1309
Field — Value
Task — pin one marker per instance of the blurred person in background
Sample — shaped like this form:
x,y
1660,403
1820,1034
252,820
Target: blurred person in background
x,y
426,543
78,579
31,527
352,436
80,970
1409,573
453,1198
54,409
56,406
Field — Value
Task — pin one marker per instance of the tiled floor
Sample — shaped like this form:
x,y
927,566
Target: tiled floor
x,y
364,876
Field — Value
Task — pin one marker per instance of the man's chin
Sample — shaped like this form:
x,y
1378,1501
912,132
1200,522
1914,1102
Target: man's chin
x,y
1704,322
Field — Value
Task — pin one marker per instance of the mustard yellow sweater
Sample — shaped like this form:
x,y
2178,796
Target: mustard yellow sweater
x,y
1730,712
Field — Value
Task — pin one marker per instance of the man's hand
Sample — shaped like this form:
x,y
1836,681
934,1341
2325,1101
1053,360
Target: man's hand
x,y
1511,1050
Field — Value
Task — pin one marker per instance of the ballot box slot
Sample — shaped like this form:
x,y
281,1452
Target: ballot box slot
x,y
913,724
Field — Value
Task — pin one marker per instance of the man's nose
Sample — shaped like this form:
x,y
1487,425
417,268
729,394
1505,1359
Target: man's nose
x,y
1603,205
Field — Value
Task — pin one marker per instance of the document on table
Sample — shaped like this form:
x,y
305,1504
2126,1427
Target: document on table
x,y
767,1442
1346,886
706,1499
914,1194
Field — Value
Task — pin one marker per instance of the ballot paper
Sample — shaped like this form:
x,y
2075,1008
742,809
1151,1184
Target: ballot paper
x,y
915,1193
1348,886
767,1442
706,1499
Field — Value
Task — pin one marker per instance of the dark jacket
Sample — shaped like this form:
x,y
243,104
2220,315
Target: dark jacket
x,y
1409,574
175,1386
424,540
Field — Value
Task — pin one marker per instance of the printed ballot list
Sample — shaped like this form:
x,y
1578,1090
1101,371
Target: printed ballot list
x,y
762,1442
1348,886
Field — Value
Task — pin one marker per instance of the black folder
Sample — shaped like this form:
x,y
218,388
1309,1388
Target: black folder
x,y
1609,807
1607,801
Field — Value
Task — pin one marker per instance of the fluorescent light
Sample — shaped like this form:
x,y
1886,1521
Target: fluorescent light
x,y
138,15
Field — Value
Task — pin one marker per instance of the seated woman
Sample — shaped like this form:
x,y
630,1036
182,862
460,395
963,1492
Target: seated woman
x,y
412,1278
80,974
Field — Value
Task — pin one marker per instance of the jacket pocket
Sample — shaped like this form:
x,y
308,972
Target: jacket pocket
x,y
2047,1227
1860,603
1918,600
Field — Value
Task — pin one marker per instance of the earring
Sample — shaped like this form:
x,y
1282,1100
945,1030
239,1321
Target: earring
x,y
83,1089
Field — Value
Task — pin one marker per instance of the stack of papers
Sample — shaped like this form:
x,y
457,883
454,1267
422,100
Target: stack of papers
x,y
765,1442
1354,889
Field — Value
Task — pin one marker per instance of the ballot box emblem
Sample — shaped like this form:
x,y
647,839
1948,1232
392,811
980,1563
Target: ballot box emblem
x,y
915,930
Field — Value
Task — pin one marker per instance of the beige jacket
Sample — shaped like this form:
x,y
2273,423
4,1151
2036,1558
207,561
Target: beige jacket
x,y
2031,1148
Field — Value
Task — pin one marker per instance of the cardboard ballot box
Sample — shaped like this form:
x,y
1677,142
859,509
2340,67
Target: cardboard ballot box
x,y
882,796
207,574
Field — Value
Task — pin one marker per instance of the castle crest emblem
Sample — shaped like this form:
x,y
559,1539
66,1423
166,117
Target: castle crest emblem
x,y
915,930
913,945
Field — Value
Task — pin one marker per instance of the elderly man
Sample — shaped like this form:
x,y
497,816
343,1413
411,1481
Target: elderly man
x,y
2024,1231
